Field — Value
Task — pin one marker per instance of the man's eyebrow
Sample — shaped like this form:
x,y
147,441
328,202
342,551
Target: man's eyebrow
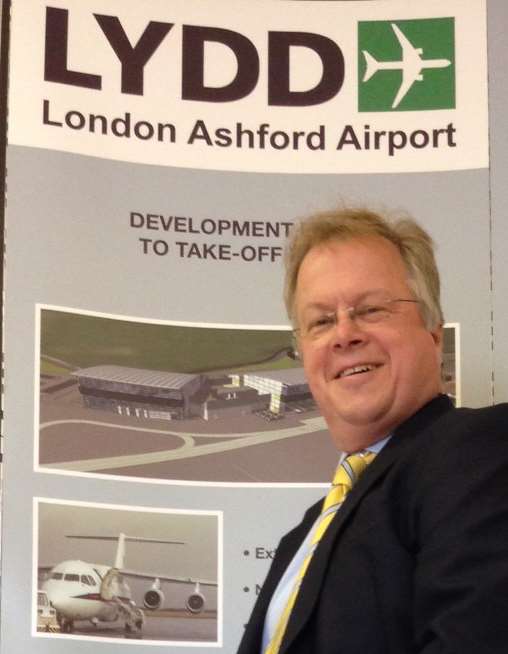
x,y
374,294
318,308
323,306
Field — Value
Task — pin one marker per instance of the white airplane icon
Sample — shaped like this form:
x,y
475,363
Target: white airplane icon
x,y
99,593
411,65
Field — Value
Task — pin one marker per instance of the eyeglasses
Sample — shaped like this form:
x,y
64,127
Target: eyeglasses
x,y
370,313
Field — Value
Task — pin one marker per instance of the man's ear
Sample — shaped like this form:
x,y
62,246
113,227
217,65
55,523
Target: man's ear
x,y
437,336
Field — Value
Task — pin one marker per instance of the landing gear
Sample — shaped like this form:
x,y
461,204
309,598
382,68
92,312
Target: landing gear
x,y
134,623
66,626
131,632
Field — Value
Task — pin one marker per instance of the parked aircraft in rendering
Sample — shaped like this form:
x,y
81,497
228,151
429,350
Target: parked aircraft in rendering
x,y
99,593
411,65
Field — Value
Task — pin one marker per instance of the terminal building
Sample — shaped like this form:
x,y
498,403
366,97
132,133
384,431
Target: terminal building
x,y
140,393
288,388
233,402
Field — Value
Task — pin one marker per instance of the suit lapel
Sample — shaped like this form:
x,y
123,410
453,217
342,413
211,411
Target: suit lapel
x,y
402,438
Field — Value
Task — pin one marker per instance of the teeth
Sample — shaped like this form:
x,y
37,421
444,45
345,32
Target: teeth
x,y
355,370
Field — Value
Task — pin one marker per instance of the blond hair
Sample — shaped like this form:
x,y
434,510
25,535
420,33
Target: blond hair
x,y
414,244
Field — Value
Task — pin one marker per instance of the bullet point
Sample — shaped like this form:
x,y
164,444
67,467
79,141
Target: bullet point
x,y
246,589
246,552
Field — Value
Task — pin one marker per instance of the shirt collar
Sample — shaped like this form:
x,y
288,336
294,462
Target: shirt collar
x,y
375,448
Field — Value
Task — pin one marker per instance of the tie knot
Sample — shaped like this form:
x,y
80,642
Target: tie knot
x,y
347,474
351,468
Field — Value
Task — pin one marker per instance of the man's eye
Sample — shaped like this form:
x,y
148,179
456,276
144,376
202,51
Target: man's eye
x,y
371,311
322,321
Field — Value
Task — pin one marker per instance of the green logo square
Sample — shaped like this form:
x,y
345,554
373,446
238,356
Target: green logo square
x,y
406,65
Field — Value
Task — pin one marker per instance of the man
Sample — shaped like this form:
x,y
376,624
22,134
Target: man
x,y
414,557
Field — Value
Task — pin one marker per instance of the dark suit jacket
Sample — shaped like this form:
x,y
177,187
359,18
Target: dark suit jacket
x,y
416,560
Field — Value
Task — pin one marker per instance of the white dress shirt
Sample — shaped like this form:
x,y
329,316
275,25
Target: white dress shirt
x,y
287,581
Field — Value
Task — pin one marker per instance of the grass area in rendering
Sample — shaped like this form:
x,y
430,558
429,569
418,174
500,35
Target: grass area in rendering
x,y
82,340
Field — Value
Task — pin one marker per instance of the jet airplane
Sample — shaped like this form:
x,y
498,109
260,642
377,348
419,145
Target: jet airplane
x,y
100,593
411,65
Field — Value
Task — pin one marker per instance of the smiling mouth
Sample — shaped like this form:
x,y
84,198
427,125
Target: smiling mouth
x,y
356,370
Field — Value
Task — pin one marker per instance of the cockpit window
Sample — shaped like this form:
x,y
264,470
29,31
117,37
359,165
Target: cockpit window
x,y
57,575
71,577
88,580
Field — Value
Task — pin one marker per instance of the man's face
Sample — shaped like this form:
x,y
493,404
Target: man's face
x,y
367,377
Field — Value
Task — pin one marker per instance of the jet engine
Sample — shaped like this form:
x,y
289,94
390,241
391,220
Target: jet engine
x,y
195,603
154,597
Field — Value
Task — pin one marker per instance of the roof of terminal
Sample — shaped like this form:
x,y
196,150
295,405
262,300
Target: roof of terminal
x,y
287,376
139,376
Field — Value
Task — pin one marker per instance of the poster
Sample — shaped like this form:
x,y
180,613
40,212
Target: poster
x,y
157,161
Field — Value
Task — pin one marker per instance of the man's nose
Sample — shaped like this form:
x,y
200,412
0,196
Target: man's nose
x,y
346,332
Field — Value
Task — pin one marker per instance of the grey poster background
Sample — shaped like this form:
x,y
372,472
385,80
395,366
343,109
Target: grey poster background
x,y
69,244
79,251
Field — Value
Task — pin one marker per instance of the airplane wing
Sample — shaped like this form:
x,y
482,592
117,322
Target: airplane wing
x,y
411,65
43,572
118,567
43,569
408,48
134,574
407,82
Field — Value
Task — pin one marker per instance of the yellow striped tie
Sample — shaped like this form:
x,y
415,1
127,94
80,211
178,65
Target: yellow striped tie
x,y
346,475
